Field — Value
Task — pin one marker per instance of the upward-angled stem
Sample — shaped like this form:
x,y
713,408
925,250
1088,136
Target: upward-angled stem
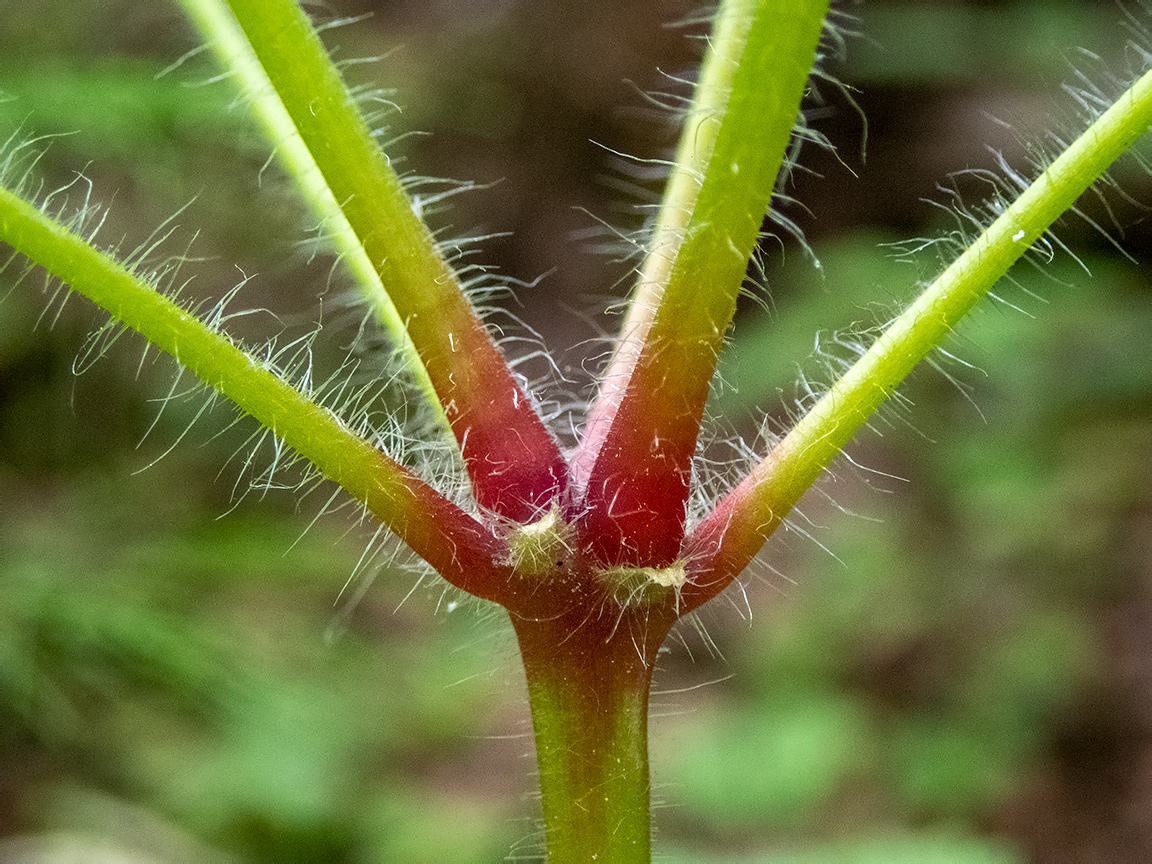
x,y
724,543
455,544
697,140
514,463
217,24
642,436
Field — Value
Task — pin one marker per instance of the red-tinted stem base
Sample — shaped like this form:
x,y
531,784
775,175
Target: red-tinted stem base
x,y
588,682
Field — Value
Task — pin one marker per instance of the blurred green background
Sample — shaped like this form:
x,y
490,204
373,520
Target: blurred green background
x,y
951,666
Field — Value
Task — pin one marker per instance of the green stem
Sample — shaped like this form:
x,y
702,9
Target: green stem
x,y
454,543
724,544
218,26
514,463
588,683
642,434
697,141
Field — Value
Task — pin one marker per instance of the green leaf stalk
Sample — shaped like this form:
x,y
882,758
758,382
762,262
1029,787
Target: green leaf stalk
x,y
591,552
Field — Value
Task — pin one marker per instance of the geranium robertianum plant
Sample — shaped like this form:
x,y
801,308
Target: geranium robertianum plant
x,y
595,550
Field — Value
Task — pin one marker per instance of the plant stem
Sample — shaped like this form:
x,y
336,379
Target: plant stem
x,y
642,435
513,462
218,26
460,549
723,545
588,682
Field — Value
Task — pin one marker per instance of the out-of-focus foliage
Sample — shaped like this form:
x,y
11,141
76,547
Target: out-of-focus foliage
x,y
970,652
961,679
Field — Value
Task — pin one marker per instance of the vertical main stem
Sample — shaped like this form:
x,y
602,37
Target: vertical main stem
x,y
588,683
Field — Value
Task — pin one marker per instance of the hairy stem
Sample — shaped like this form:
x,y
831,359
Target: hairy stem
x,y
455,544
513,462
588,684
697,142
218,26
723,545
643,436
